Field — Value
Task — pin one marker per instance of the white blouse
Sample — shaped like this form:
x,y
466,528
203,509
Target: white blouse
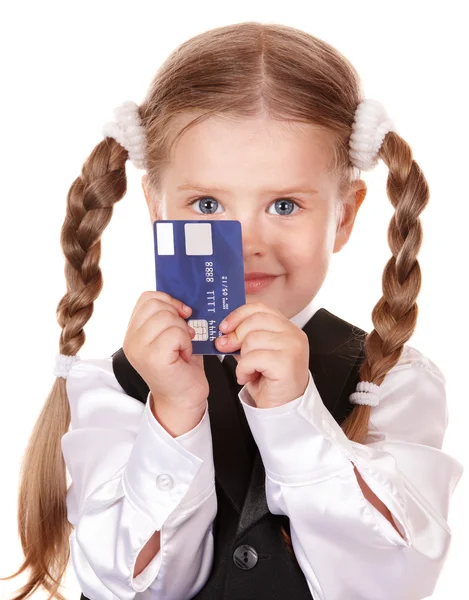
x,y
130,477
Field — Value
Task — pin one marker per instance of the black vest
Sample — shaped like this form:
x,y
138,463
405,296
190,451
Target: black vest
x,y
251,561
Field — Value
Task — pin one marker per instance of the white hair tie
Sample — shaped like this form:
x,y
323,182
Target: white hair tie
x,y
367,393
128,131
63,364
370,126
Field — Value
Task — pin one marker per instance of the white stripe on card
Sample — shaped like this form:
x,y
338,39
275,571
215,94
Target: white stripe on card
x,y
198,238
164,238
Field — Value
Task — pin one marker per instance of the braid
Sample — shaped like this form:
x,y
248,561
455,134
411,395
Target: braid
x,y
395,314
43,526
90,203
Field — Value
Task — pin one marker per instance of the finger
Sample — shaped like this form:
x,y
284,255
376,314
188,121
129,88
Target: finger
x,y
255,322
137,342
264,340
149,304
256,340
156,324
244,311
162,297
150,308
268,363
177,304
259,340
176,341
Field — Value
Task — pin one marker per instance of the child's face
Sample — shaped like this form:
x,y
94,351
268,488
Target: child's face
x,y
249,161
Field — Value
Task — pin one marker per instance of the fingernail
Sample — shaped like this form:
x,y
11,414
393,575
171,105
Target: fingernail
x,y
186,308
223,325
222,341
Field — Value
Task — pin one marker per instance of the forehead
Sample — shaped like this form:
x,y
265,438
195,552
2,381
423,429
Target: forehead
x,y
252,148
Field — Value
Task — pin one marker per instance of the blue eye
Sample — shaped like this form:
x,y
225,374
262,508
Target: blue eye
x,y
285,204
205,203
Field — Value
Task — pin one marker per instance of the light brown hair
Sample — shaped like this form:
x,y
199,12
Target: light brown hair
x,y
243,70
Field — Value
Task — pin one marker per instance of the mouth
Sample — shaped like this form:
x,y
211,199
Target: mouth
x,y
256,282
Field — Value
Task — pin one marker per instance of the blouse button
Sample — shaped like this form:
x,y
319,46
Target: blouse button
x,y
165,482
245,557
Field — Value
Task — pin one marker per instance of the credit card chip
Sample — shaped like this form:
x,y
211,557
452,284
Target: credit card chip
x,y
200,326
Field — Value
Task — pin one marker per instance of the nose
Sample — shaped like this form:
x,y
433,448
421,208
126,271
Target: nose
x,y
254,235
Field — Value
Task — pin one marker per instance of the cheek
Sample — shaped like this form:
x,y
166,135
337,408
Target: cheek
x,y
310,245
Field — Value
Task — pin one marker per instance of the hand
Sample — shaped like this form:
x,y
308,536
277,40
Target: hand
x,y
274,362
158,344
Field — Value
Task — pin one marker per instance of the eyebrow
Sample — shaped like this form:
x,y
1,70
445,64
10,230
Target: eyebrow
x,y
290,190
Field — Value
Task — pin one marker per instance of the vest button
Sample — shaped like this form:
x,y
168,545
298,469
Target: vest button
x,y
245,557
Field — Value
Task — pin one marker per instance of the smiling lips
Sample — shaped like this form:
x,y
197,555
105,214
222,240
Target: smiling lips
x,y
256,281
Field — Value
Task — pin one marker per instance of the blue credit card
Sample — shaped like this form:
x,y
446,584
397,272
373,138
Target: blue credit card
x,y
201,263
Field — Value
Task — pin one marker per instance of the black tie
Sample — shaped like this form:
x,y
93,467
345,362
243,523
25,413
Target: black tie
x,y
230,365
230,362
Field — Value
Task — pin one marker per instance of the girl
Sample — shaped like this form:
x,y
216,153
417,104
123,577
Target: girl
x,y
311,467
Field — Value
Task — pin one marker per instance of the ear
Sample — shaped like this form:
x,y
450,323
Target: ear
x,y
350,206
152,201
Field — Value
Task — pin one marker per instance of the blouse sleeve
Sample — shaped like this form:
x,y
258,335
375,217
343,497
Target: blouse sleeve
x,y
130,477
345,547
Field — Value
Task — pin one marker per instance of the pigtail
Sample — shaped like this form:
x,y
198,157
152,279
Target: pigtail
x,y
395,314
42,512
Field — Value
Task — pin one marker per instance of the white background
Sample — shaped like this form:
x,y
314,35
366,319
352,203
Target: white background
x,y
66,65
